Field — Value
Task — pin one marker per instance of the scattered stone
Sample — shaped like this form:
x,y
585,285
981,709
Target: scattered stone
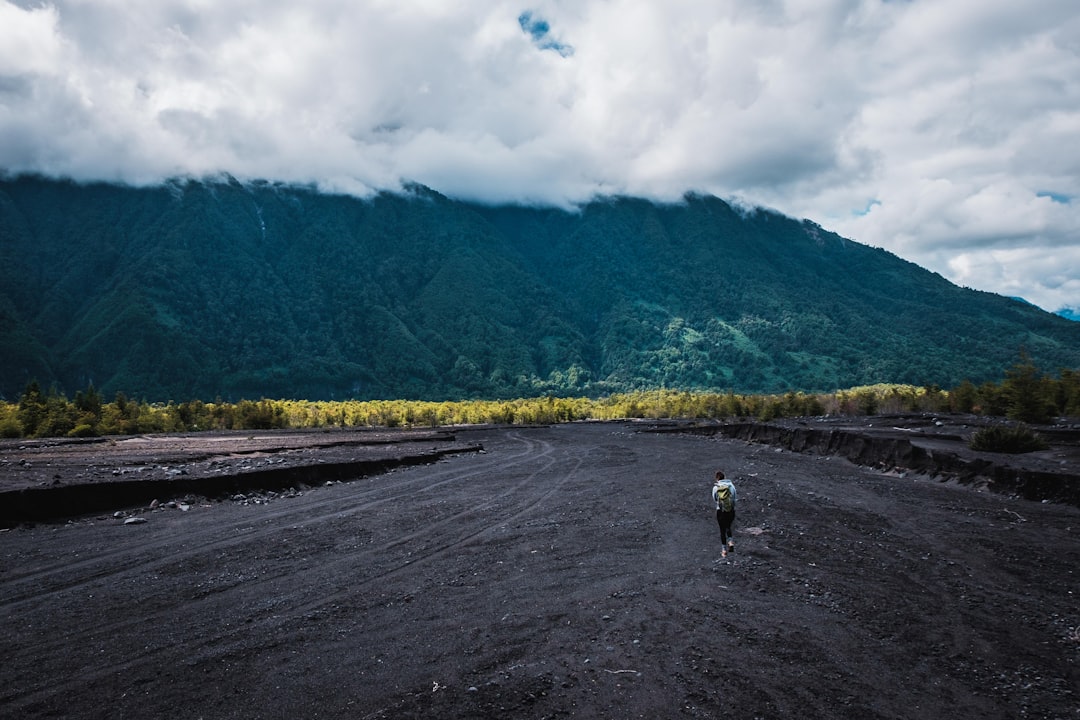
x,y
135,521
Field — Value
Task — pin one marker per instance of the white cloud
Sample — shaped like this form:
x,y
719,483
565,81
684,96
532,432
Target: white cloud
x,y
29,42
945,131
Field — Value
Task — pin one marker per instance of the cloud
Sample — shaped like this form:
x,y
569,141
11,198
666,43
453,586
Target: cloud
x,y
946,131
31,43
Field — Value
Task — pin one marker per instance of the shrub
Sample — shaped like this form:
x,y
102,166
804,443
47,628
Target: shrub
x,y
84,430
10,428
1003,439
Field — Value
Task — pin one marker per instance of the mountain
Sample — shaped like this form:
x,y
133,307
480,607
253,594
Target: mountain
x,y
1069,314
200,289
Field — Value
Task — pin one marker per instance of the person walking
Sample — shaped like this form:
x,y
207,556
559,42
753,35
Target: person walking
x,y
723,494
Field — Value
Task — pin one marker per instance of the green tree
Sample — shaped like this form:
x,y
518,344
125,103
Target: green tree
x,y
963,397
1026,394
89,401
866,402
88,408
32,409
1067,396
60,415
992,399
261,415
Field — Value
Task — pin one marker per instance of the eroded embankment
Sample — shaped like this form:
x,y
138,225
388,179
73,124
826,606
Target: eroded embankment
x,y
995,471
63,501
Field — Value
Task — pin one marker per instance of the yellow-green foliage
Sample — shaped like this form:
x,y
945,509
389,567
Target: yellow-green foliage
x,y
39,414
9,421
125,416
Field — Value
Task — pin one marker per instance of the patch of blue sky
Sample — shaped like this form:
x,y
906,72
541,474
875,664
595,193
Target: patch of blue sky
x,y
1069,313
540,31
866,210
1056,197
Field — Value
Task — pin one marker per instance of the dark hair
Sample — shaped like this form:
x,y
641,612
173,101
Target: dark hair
x,y
719,474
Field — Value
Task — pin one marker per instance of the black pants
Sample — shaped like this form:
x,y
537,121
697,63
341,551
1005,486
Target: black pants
x,y
724,520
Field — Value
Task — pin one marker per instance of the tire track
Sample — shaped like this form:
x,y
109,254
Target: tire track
x,y
450,532
442,546
124,561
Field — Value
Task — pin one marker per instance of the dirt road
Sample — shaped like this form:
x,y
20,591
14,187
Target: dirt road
x,y
570,571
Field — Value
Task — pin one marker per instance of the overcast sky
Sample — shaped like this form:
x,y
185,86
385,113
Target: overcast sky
x,y
946,131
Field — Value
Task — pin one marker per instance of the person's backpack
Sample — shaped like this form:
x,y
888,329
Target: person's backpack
x,y
722,493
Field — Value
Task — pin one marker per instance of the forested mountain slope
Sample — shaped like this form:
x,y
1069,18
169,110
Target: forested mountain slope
x,y
219,289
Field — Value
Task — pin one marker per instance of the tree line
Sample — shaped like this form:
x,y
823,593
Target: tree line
x,y
1025,394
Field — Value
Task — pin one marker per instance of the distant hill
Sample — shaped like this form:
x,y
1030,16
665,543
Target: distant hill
x,y
221,289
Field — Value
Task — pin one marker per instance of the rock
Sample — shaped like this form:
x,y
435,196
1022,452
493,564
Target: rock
x,y
135,521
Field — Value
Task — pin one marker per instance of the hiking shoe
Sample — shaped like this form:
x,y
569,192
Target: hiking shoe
x,y
731,547
723,553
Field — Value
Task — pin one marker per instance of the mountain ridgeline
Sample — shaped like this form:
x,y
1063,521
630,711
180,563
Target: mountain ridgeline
x,y
204,290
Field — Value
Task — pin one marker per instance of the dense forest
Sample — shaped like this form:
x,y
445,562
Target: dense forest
x,y
220,291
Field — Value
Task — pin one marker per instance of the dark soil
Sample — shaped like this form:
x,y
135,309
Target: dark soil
x,y
570,571
55,478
